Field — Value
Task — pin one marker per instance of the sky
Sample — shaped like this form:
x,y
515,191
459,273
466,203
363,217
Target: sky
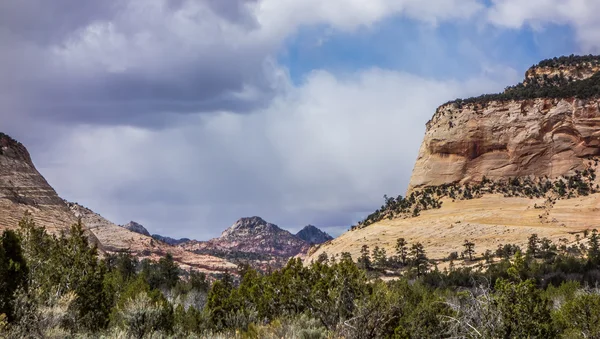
x,y
185,115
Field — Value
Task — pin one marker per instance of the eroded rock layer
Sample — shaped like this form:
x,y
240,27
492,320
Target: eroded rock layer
x,y
540,137
24,189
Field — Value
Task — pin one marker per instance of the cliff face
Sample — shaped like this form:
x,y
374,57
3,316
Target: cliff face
x,y
498,139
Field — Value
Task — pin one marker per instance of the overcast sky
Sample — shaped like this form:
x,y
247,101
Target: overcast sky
x,y
187,115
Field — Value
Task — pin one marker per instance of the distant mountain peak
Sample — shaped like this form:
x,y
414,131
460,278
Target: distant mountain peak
x,y
313,235
137,228
252,235
249,225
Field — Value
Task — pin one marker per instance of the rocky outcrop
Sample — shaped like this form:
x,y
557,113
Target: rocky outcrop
x,y
252,235
313,235
24,189
499,138
137,228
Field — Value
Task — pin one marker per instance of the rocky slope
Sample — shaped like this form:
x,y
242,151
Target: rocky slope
x,y
252,235
23,188
497,168
313,235
137,228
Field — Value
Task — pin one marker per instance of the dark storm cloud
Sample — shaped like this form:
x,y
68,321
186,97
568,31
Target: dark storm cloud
x,y
116,62
46,22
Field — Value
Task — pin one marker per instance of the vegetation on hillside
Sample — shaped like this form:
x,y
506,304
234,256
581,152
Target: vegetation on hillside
x,y
57,286
559,86
571,60
565,187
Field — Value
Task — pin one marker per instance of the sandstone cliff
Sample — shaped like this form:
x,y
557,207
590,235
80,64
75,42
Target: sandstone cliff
x,y
499,137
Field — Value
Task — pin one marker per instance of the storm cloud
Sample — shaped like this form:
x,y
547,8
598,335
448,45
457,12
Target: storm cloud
x,y
180,115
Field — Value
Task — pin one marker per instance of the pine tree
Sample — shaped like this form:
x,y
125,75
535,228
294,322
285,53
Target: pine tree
x,y
402,250
533,245
469,249
418,259
364,262
379,257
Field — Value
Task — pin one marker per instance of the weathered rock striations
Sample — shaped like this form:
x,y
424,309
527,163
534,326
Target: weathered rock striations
x,y
500,139
540,137
24,189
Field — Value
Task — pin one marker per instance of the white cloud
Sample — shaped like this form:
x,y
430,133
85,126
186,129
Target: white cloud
x,y
287,15
581,15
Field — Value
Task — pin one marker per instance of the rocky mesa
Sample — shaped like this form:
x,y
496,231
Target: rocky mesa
x,y
547,126
497,168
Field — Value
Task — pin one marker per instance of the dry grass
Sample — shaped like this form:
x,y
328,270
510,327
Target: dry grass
x,y
488,222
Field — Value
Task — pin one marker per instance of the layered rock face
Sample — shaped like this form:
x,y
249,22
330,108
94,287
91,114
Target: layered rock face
x,y
512,138
24,189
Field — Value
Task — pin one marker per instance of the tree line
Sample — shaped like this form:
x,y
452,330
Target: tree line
x,y
59,286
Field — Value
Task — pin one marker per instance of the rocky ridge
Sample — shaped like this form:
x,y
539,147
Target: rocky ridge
x,y
120,239
24,190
